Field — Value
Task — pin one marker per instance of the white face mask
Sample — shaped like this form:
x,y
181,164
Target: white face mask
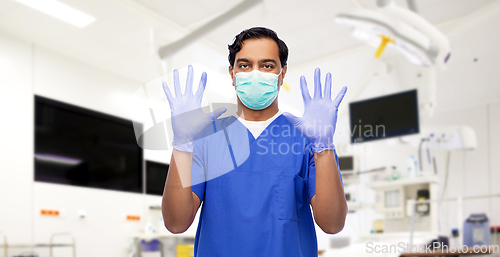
x,y
257,90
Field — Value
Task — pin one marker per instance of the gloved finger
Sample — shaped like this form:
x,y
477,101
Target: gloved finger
x,y
328,86
177,84
170,98
304,90
317,83
218,112
201,87
290,117
339,97
189,81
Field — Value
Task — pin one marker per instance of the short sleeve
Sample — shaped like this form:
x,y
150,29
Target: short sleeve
x,y
311,188
198,170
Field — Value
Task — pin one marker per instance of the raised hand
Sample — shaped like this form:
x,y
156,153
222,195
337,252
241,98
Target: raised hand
x,y
320,113
188,119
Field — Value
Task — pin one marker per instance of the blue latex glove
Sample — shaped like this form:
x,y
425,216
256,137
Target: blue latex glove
x,y
188,119
320,113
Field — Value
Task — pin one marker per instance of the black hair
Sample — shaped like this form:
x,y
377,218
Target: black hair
x,y
253,33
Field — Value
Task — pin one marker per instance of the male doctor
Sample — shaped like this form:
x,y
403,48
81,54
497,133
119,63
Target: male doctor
x,y
277,164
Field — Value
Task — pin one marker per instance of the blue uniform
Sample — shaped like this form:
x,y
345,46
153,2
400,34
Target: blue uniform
x,y
257,192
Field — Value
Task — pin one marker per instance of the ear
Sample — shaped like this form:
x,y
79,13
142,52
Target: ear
x,y
283,73
285,68
230,69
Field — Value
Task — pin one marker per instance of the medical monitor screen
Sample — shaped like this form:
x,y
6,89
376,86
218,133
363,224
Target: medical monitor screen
x,y
80,147
156,175
384,117
346,163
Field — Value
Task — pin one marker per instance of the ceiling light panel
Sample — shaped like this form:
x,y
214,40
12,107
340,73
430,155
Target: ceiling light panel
x,y
60,11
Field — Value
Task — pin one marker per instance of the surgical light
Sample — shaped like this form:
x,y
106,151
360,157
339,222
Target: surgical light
x,y
392,26
60,11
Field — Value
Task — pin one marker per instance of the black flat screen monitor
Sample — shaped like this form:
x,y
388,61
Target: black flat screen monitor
x,y
80,147
156,175
384,117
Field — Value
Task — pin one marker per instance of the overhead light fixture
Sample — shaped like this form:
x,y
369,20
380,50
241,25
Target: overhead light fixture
x,y
406,31
60,11
172,48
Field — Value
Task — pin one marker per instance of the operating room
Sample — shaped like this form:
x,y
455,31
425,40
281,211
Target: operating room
x,y
99,97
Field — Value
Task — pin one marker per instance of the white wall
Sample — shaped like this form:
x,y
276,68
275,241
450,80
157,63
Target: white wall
x,y
16,148
27,70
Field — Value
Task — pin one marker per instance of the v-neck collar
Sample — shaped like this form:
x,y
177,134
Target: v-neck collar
x,y
251,138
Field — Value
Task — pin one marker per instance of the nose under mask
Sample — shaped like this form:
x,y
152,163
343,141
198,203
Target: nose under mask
x,y
256,89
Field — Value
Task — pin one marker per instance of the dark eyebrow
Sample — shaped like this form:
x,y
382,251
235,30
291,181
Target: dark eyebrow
x,y
260,61
268,60
242,60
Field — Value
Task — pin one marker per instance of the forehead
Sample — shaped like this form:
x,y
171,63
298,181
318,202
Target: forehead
x,y
259,49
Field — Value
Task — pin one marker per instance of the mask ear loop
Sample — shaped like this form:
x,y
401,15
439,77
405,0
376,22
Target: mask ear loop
x,y
279,76
238,115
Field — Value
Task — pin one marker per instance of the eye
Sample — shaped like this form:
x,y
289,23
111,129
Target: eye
x,y
268,66
243,66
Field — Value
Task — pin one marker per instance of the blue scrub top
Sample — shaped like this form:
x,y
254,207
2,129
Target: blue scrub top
x,y
257,192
